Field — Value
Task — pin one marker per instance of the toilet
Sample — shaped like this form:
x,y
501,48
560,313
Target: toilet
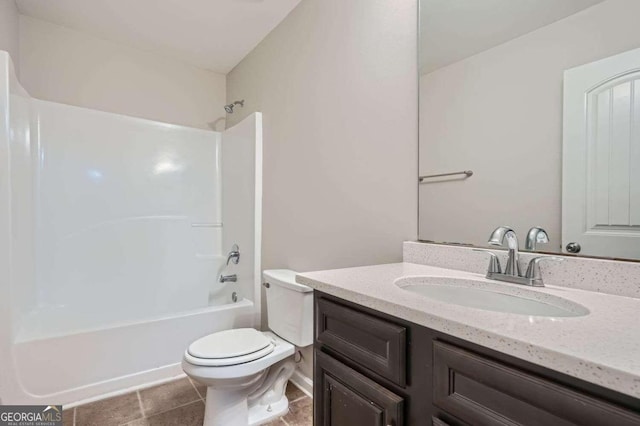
x,y
245,370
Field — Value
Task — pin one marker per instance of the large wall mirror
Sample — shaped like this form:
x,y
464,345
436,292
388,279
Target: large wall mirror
x,y
531,111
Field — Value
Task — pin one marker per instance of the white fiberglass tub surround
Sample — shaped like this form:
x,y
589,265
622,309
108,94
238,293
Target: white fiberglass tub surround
x,y
119,230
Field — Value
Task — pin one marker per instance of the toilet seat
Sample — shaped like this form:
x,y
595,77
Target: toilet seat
x,y
199,368
229,347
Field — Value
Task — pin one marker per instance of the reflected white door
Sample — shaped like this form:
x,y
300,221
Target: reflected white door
x,y
601,157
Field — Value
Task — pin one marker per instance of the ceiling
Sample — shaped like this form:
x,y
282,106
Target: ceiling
x,y
210,34
451,30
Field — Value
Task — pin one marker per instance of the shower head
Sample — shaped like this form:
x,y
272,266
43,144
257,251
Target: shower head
x,y
229,108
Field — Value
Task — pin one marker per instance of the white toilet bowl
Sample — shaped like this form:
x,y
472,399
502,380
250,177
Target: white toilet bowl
x,y
246,371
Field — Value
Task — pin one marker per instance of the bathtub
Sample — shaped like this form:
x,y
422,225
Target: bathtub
x,y
109,263
88,364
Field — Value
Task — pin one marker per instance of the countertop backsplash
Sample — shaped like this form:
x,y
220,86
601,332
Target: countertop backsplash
x,y
615,277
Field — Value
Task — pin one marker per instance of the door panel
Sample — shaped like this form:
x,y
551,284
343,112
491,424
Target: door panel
x,y
601,161
346,407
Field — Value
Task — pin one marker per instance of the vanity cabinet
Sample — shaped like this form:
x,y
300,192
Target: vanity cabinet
x,y
374,369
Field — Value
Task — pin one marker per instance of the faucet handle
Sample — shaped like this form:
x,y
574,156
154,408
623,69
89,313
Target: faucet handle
x,y
533,270
494,262
234,255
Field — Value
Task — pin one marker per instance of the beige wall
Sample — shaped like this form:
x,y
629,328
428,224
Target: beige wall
x,y
499,113
9,30
67,66
337,83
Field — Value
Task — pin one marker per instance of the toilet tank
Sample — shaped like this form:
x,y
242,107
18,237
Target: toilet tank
x,y
289,307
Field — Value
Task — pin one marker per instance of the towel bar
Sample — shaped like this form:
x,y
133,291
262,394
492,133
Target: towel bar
x,y
467,173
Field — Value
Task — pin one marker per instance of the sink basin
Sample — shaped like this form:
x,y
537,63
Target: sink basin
x,y
490,296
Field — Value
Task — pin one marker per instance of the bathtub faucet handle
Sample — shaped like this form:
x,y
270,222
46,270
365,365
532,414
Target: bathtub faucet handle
x,y
234,255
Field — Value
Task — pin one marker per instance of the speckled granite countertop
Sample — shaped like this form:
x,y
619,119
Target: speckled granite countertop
x,y
602,347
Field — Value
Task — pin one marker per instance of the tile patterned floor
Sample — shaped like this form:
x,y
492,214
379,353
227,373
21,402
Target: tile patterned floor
x,y
177,403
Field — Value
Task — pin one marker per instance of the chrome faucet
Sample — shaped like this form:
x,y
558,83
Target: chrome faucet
x,y
497,239
228,278
536,235
512,274
233,256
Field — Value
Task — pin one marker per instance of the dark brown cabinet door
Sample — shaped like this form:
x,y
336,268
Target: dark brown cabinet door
x,y
344,397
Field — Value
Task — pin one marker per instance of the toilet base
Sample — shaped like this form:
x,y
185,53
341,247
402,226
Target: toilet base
x,y
264,400
224,408
261,414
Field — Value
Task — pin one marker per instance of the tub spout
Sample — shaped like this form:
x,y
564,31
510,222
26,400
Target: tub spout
x,y
228,278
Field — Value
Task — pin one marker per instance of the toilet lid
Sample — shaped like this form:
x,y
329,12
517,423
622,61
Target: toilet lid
x,y
230,344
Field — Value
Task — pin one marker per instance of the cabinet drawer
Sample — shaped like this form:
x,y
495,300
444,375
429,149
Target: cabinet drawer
x,y
371,342
481,391
344,397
